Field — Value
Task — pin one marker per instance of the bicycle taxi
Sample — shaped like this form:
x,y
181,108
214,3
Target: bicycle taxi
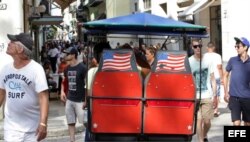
x,y
124,106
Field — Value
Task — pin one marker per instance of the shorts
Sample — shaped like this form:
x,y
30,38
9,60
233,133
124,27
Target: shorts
x,y
206,110
74,110
239,106
17,136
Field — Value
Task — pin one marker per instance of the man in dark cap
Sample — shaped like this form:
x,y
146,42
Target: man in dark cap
x,y
238,96
23,85
75,99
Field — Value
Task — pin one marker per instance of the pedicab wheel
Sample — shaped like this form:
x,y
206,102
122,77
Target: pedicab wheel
x,y
189,139
92,137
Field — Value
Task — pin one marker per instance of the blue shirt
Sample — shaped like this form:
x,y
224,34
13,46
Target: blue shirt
x,y
240,77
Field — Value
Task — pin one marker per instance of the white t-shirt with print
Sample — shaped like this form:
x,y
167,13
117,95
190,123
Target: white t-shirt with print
x,y
206,71
22,111
215,58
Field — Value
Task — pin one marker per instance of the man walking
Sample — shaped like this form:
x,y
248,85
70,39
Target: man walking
x,y
239,89
24,87
75,100
203,76
215,58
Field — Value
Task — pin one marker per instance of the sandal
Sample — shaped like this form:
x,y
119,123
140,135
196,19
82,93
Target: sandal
x,y
216,114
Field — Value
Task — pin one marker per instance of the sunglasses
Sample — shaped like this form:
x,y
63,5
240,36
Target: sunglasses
x,y
237,46
196,46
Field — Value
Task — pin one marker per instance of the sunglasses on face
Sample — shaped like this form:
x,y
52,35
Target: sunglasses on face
x,y
237,46
196,46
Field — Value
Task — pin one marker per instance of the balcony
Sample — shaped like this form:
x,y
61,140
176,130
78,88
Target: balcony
x,y
46,20
94,3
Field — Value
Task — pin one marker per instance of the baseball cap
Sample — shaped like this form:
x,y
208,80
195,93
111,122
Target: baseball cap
x,y
71,50
242,40
24,38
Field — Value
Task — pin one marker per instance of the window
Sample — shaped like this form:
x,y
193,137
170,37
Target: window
x,y
136,6
147,4
148,11
164,7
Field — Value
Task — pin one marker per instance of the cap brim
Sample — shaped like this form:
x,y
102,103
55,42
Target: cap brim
x,y
12,37
237,39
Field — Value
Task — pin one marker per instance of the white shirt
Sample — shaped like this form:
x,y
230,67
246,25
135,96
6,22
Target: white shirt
x,y
22,111
215,58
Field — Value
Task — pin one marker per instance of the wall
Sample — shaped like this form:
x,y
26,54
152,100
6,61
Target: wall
x,y
235,23
203,18
117,8
11,21
11,24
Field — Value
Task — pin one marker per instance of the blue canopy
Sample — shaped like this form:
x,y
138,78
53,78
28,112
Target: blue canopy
x,y
146,24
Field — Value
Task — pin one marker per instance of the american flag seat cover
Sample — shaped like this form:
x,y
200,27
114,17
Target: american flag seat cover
x,y
118,60
171,62
169,92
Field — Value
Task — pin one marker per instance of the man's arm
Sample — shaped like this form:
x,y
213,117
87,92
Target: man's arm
x,y
213,83
2,96
44,106
226,95
63,95
44,110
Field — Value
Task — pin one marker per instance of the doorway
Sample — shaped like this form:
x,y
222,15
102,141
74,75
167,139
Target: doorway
x,y
215,27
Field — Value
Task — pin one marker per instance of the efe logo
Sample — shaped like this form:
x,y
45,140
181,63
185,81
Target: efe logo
x,y
236,133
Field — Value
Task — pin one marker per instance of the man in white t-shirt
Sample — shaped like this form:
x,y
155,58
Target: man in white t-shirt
x,y
215,58
203,77
24,86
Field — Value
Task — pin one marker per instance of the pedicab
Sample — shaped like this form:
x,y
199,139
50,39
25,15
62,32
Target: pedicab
x,y
124,106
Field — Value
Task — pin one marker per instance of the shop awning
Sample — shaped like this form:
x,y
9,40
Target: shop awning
x,y
64,3
49,20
